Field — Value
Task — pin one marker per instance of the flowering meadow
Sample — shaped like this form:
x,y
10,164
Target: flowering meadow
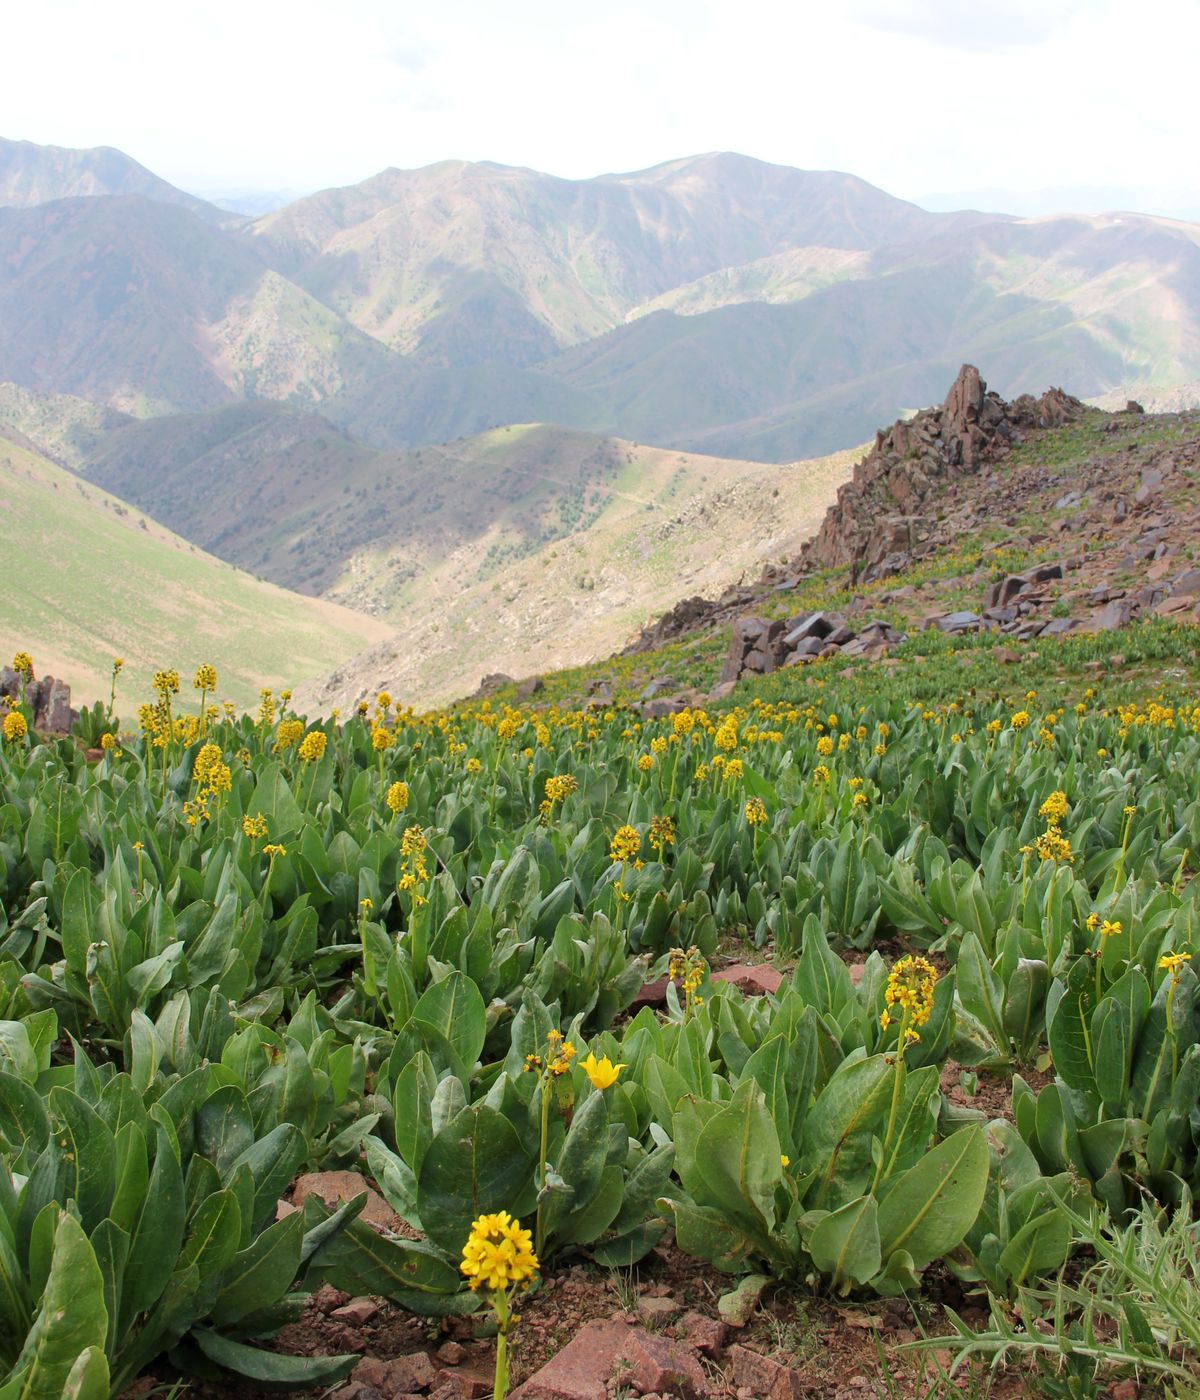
x,y
235,947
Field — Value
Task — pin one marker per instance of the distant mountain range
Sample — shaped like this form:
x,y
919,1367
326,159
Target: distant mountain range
x,y
716,304
525,411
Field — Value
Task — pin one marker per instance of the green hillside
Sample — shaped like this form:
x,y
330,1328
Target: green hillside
x,y
90,579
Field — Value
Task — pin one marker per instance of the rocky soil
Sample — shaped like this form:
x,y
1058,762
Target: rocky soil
x,y
1109,527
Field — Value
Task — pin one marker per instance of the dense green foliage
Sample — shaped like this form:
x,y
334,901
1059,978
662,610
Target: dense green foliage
x,y
236,947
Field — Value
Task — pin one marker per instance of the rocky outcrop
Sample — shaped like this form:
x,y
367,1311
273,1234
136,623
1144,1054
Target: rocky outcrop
x,y
49,699
758,647
880,522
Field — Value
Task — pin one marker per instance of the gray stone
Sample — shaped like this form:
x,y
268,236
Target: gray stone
x,y
955,622
1115,614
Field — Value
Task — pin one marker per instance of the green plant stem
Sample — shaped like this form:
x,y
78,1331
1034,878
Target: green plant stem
x,y
540,1230
500,1384
897,1084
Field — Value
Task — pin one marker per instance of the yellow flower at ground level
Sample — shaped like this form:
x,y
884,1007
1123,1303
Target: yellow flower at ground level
x,y
15,728
498,1253
272,851
603,1073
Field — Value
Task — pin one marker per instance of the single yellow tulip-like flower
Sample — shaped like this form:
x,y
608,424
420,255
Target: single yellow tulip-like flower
x,y
603,1073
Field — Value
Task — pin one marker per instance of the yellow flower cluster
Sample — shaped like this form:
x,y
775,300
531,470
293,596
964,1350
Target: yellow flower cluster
x,y
15,728
414,874
397,798
288,734
755,812
206,679
726,737
266,708
312,746
661,834
688,969
626,843
1053,845
1055,807
559,1055
210,773
254,827
910,986
499,1254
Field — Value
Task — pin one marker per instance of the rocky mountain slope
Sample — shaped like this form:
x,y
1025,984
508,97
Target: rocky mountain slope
x,y
1035,519
715,304
31,174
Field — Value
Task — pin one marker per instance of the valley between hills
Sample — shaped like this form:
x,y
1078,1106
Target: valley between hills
x,y
479,419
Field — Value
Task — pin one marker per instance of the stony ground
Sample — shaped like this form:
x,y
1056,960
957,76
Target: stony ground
x,y
656,1330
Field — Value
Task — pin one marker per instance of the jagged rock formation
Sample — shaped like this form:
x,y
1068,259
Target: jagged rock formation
x,y
49,699
879,523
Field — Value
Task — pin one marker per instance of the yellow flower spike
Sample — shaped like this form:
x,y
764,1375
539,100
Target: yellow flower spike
x,y
603,1073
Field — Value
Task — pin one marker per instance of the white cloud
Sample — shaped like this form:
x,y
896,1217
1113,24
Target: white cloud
x,y
914,95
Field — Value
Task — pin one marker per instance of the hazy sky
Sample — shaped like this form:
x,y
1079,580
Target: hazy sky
x,y
917,96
